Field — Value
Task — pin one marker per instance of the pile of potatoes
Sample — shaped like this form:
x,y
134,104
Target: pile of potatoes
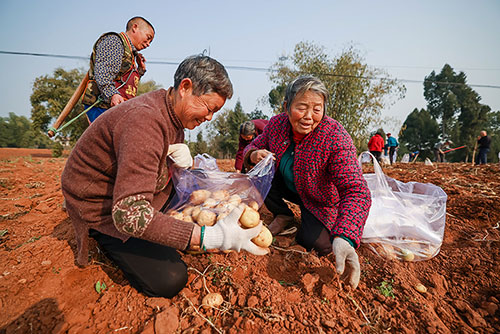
x,y
406,250
205,208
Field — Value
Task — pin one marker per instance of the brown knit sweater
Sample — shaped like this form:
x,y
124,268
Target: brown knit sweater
x,y
115,179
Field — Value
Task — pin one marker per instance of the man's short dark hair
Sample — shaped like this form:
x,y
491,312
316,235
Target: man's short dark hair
x,y
138,19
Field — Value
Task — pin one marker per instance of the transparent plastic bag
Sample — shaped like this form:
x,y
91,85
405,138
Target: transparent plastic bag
x,y
406,220
206,162
222,190
406,158
366,158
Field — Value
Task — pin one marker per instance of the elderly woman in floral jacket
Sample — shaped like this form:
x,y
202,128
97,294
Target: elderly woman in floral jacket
x,y
318,170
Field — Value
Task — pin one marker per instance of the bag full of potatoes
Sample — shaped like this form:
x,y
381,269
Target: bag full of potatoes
x,y
406,220
204,196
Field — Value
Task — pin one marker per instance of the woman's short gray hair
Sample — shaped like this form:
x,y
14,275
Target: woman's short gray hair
x,y
207,74
301,85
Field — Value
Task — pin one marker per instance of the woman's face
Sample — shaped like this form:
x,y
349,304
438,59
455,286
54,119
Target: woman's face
x,y
306,111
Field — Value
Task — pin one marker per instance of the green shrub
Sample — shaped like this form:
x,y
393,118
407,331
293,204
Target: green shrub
x,y
57,149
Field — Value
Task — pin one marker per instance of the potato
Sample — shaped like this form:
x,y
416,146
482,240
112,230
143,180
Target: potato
x,y
220,195
181,216
199,196
249,218
254,205
264,239
176,214
188,210
206,218
209,203
187,218
407,255
196,211
213,299
421,288
234,200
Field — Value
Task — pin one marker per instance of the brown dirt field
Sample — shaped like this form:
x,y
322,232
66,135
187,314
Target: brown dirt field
x,y
6,153
287,291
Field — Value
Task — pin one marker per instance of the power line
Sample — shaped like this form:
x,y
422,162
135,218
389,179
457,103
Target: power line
x,y
49,55
249,68
433,67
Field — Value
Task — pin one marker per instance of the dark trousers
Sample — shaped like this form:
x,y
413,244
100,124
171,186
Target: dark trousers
x,y
153,269
377,155
482,156
392,150
311,234
439,156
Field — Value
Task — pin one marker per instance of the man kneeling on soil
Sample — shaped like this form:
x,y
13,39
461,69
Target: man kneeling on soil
x,y
116,181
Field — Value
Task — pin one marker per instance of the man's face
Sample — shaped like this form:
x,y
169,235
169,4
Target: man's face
x,y
195,110
141,36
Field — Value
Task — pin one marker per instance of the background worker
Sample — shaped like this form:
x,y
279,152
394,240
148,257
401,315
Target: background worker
x,y
116,66
483,142
392,144
439,149
248,131
318,170
414,155
376,145
117,180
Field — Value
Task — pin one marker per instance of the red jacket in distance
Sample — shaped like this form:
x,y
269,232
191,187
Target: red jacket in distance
x,y
260,124
376,143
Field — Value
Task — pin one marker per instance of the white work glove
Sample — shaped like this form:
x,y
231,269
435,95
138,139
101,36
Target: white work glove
x,y
228,234
345,253
180,155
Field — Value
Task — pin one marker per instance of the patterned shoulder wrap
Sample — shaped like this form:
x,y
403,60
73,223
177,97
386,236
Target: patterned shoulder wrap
x,y
132,215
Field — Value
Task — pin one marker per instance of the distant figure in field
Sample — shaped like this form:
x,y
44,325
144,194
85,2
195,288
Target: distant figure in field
x,y
483,143
439,149
249,130
376,145
392,144
414,155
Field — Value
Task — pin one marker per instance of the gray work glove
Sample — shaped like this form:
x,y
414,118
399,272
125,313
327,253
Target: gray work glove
x,y
345,253
228,234
180,155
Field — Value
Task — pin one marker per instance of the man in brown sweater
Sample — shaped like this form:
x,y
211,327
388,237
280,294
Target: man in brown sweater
x,y
117,180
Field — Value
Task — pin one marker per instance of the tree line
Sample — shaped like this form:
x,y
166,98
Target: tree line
x,y
17,131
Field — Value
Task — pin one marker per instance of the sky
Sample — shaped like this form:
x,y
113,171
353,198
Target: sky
x,y
407,39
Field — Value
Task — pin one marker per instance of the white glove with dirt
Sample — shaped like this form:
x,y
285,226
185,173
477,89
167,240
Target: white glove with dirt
x,y
228,234
180,155
345,253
